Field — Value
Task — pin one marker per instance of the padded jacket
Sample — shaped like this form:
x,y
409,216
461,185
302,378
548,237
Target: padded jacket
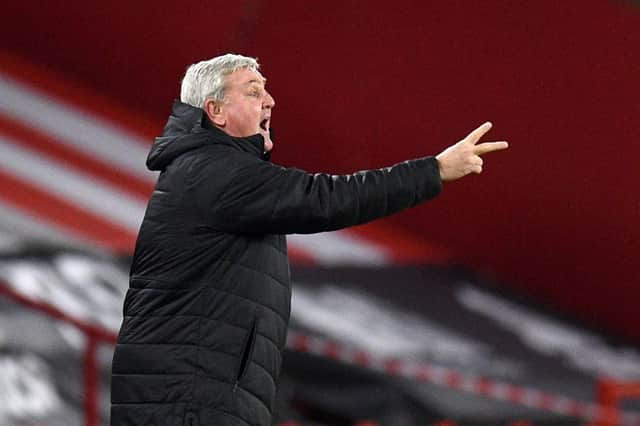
x,y
206,313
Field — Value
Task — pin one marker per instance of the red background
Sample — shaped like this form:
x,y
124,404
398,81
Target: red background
x,y
364,84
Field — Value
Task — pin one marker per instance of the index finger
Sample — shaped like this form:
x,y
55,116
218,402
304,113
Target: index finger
x,y
487,147
476,134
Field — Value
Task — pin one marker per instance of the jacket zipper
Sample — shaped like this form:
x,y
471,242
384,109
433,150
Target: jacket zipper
x,y
247,353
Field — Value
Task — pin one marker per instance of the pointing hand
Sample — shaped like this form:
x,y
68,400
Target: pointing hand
x,y
463,158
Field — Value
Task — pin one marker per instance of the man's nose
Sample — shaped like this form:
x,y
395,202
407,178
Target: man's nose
x,y
268,102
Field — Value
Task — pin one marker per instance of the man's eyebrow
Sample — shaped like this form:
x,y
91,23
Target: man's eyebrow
x,y
263,81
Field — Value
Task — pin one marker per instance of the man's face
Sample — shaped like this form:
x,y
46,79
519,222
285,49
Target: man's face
x,y
246,109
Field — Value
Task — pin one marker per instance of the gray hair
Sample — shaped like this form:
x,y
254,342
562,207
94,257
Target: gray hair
x,y
206,79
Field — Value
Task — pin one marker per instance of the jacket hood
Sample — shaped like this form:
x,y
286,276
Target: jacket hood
x,y
187,129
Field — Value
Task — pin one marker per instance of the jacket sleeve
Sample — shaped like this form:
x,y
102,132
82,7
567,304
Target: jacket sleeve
x,y
261,197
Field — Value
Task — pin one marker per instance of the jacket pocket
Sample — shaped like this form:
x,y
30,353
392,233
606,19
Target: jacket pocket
x,y
247,353
190,419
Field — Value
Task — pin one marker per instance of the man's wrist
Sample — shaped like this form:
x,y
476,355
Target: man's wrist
x,y
442,177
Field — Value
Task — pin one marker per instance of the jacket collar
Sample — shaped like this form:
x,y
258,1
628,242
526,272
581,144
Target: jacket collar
x,y
189,128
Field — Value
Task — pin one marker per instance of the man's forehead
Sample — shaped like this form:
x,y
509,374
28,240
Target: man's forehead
x,y
246,76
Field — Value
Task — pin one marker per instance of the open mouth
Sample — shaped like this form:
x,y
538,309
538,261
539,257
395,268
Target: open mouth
x,y
264,124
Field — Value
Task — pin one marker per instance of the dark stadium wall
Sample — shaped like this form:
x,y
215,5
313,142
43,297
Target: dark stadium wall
x,y
364,84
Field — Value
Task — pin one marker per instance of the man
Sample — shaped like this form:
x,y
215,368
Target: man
x,y
207,311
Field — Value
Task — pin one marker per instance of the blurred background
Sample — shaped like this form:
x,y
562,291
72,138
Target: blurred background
x,y
513,298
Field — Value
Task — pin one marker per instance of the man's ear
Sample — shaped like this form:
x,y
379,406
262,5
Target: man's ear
x,y
215,112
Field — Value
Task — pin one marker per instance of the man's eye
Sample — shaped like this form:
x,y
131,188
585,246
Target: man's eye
x,y
256,94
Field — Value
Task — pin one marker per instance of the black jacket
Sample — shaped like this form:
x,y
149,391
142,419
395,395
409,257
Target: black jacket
x,y
206,314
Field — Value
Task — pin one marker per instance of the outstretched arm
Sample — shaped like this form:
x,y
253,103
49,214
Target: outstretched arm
x,y
264,198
